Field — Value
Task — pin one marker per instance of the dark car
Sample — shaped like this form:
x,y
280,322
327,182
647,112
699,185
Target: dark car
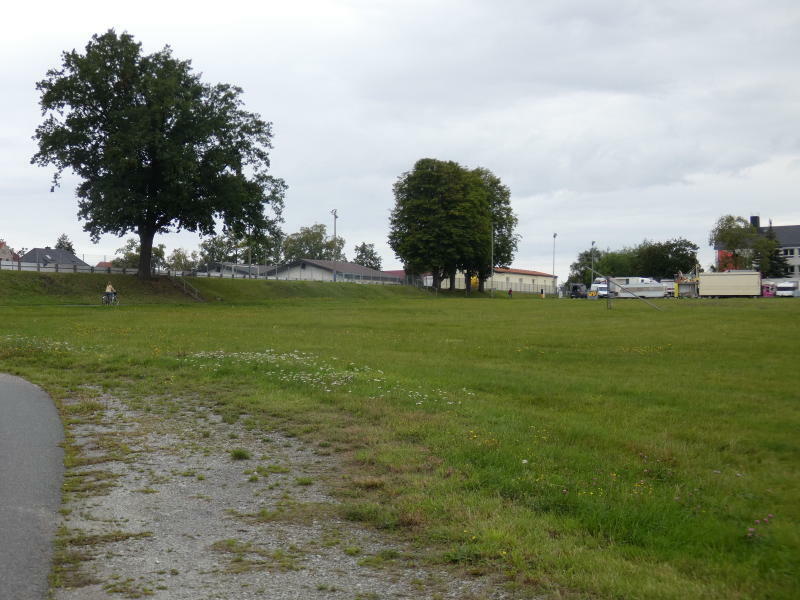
x,y
577,290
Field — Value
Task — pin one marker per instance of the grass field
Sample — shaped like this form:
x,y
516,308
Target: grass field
x,y
584,452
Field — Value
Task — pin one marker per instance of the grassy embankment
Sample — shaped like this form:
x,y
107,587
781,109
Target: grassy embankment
x,y
614,454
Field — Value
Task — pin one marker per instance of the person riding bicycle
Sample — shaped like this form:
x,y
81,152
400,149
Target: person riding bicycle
x,y
111,293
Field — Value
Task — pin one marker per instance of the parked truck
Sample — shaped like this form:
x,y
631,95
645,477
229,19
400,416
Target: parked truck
x,y
730,283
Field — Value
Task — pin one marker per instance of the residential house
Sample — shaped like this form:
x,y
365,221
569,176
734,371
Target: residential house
x,y
52,256
788,237
7,253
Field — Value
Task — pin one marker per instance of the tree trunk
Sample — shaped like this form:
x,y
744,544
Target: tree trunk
x,y
145,253
468,282
452,280
437,279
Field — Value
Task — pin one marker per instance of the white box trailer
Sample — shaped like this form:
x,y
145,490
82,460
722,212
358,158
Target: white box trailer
x,y
730,283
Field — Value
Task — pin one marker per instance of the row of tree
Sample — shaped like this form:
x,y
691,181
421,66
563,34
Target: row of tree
x,y
448,218
659,260
310,242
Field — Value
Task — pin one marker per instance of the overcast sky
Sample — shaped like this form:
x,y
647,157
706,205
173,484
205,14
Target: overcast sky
x,y
610,121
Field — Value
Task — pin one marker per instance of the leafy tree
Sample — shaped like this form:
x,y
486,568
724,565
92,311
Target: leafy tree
x,y
259,249
736,236
64,243
441,221
503,221
217,249
129,255
154,146
314,243
662,260
181,260
580,270
366,256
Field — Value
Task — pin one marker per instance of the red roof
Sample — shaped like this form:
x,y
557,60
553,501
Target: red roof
x,y
522,272
104,264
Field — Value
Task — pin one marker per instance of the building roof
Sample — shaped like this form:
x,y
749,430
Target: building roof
x,y
52,256
522,272
787,235
396,273
346,268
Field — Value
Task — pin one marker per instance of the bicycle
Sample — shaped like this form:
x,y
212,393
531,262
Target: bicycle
x,y
109,300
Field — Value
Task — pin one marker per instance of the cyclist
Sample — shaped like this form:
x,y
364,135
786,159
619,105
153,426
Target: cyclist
x,y
111,293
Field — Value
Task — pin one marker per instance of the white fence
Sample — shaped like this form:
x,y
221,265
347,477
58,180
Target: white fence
x,y
15,265
240,273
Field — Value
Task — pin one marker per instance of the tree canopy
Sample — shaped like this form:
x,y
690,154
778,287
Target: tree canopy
x,y
366,256
154,146
659,260
443,218
129,255
735,235
313,242
64,243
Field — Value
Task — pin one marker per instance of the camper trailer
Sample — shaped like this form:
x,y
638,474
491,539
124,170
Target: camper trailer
x,y
637,287
730,283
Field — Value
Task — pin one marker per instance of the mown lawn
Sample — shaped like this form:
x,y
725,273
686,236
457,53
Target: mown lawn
x,y
583,452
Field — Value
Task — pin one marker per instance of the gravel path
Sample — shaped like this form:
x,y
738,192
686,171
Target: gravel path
x,y
161,507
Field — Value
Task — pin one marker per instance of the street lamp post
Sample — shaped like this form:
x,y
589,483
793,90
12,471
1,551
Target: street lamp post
x,y
554,263
491,266
335,216
592,273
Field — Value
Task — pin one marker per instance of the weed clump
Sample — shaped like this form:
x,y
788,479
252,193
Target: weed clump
x,y
240,454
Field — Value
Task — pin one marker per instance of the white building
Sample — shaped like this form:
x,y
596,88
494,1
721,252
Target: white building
x,y
517,280
307,269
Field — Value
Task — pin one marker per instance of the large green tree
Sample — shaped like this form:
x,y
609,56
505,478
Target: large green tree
x,y
154,146
442,218
503,222
313,242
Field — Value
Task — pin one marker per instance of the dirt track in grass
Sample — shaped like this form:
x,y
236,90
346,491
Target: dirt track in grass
x,y
177,504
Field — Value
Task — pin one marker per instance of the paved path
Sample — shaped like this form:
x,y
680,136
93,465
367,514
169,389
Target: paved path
x,y
31,472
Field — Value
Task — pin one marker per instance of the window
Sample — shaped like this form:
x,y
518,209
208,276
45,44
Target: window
x,y
788,251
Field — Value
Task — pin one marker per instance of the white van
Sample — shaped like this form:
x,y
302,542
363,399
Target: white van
x,y
788,289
